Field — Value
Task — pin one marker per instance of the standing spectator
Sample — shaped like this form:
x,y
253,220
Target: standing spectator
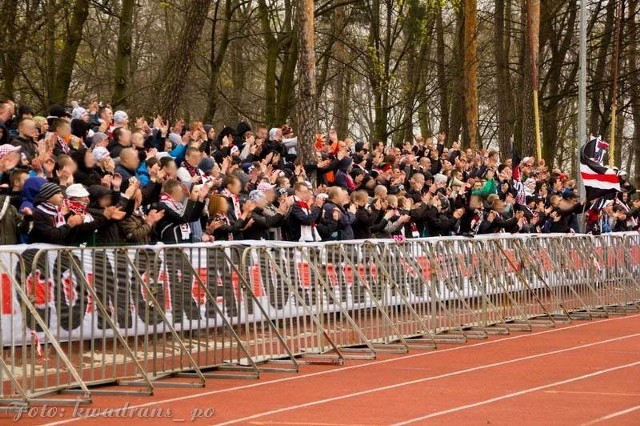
x,y
53,223
174,228
26,139
337,200
121,140
262,220
301,225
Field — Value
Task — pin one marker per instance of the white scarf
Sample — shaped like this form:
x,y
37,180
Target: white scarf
x,y
179,208
236,203
308,233
54,211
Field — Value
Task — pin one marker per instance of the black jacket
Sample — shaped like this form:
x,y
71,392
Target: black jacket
x,y
498,224
169,228
365,220
233,229
261,225
27,146
297,218
45,231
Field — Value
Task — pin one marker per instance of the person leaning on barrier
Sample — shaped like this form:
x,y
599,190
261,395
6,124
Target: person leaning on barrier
x,y
10,221
563,216
139,228
634,213
621,216
278,204
397,219
180,208
102,198
494,220
54,223
262,221
369,218
174,227
302,220
222,226
337,200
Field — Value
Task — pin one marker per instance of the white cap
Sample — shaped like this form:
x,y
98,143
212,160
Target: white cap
x,y
528,160
99,153
440,179
161,155
76,191
119,116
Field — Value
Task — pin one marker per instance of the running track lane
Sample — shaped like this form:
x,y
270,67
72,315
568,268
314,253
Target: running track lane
x,y
409,387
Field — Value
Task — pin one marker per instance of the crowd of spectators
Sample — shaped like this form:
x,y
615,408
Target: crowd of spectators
x,y
94,176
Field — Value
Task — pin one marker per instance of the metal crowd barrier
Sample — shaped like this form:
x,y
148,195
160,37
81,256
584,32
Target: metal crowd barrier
x,y
133,318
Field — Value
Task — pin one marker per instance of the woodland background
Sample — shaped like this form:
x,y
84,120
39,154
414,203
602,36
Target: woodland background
x,y
385,69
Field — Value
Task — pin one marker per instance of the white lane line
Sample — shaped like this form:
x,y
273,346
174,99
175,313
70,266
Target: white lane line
x,y
352,367
613,415
593,393
424,379
519,393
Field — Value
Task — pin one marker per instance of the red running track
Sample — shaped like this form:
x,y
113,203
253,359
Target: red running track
x,y
578,374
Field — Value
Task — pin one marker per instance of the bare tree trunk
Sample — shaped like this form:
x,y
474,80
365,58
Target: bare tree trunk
x,y
457,116
175,71
216,57
379,72
287,81
597,115
551,98
307,107
342,80
525,138
50,51
67,57
10,52
634,83
617,153
471,71
441,71
503,81
123,54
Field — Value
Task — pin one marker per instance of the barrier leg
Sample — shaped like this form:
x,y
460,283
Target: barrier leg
x,y
218,349
33,386
409,324
543,317
349,335
431,309
451,292
129,358
263,339
307,323
158,374
552,304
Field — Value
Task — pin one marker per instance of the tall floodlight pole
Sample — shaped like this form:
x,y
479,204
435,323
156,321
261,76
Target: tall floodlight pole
x,y
582,91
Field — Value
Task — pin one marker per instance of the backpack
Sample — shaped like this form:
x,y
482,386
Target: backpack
x,y
9,222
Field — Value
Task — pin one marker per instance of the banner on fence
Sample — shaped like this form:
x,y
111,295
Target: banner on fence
x,y
55,278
